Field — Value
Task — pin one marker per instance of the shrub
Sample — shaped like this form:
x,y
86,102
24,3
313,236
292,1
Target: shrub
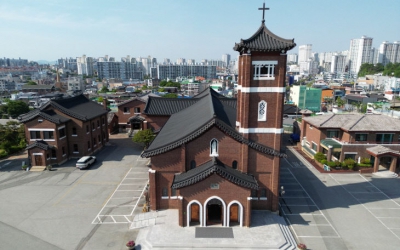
x,y
324,161
365,161
363,165
3,153
319,157
349,163
331,164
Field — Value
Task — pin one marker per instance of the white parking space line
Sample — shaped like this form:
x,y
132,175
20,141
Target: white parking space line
x,y
369,209
103,218
313,212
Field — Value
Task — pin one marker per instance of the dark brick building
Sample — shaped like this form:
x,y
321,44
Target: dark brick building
x,y
63,129
216,159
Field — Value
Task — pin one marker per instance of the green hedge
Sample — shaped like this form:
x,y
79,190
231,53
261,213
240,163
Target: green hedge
x,y
319,157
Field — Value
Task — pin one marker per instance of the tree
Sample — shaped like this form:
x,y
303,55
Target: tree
x,y
104,89
31,83
12,138
144,136
16,108
339,102
171,95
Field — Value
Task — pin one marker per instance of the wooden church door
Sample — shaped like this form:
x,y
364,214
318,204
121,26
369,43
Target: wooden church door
x,y
38,160
233,211
194,213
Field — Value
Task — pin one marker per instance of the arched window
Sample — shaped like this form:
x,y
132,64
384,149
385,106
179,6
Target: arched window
x,y
214,147
262,111
164,192
234,164
193,164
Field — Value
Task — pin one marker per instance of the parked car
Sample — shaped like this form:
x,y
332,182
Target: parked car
x,y
85,162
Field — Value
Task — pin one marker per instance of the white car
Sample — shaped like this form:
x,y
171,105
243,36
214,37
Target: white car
x,y
85,162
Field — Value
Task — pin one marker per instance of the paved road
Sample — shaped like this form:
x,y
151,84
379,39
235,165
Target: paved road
x,y
58,209
340,211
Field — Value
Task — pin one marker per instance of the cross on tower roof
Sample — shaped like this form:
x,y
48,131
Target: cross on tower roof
x,y
263,9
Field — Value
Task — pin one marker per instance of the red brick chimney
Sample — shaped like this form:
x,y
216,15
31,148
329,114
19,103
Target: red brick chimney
x,y
105,103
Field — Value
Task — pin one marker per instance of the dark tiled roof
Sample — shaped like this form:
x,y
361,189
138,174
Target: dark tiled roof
x,y
166,106
49,115
264,40
193,121
169,106
40,144
130,100
79,107
214,166
40,86
136,118
290,109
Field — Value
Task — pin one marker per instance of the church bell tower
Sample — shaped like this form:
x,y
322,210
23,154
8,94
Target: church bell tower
x,y
260,97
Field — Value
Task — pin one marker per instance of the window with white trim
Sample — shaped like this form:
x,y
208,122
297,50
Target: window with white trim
x,y
214,147
61,132
35,134
262,111
48,135
164,193
264,70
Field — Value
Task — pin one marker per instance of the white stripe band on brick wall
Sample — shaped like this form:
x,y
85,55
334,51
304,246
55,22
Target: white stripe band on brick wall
x,y
261,89
261,130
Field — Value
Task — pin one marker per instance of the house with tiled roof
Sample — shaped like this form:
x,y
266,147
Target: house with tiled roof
x,y
217,159
342,136
64,128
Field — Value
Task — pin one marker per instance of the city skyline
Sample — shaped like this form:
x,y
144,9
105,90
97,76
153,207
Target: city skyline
x,y
176,29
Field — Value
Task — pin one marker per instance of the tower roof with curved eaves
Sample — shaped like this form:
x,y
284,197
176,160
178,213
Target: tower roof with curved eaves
x,y
266,41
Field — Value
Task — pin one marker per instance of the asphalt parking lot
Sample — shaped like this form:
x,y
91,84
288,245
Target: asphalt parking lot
x,y
339,211
68,208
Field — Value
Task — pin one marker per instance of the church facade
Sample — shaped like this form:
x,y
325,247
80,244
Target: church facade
x,y
218,159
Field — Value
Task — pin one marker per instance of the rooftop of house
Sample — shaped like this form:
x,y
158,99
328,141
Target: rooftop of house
x,y
78,107
355,122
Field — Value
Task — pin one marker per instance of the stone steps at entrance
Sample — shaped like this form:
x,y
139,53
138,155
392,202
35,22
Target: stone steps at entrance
x,y
37,168
148,219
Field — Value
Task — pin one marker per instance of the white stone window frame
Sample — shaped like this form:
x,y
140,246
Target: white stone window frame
x,y
269,65
65,136
214,147
262,111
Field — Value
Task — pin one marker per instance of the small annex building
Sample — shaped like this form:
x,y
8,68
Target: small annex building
x,y
218,158
64,128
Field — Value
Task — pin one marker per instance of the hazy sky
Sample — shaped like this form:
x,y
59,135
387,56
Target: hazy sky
x,y
191,29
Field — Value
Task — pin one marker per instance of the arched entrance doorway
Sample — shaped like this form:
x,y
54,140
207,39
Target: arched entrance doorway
x,y
194,213
235,214
215,212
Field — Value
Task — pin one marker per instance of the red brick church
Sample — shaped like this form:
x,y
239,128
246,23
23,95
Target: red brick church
x,y
219,159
